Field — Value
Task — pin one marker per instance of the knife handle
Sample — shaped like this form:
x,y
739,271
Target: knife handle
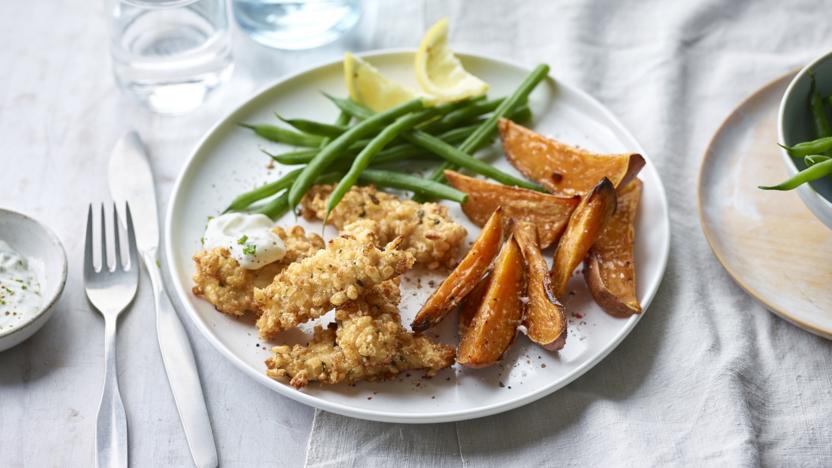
x,y
182,373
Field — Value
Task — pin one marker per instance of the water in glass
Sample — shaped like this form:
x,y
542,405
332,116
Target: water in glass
x,y
296,24
170,53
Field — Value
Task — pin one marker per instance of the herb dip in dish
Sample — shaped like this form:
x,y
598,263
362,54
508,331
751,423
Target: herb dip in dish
x,y
248,237
20,292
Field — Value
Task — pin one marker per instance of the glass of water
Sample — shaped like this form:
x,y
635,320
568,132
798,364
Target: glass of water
x,y
296,24
170,53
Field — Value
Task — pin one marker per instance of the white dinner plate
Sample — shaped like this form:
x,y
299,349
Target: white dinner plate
x,y
228,162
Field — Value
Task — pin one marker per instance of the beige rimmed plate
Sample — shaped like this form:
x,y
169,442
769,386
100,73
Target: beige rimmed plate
x,y
768,241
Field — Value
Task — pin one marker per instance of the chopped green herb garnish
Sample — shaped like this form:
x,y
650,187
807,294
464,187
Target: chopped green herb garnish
x,y
242,240
250,249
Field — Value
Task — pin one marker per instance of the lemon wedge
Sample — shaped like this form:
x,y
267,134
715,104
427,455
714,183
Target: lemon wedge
x,y
439,71
368,86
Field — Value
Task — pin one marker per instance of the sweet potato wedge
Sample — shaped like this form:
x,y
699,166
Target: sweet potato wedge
x,y
545,319
494,325
471,304
465,276
549,213
585,225
609,270
563,169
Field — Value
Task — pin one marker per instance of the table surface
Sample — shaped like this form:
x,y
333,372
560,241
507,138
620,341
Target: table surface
x,y
61,113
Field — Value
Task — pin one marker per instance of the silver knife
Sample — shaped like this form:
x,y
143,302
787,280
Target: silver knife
x,y
131,179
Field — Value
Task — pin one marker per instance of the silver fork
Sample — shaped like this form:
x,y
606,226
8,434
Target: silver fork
x,y
110,289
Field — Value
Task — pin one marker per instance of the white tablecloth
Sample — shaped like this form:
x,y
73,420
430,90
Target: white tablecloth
x,y
708,376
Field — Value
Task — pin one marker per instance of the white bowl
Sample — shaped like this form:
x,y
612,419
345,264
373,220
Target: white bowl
x,y
43,249
794,124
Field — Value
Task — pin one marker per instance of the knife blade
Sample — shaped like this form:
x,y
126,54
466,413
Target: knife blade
x,y
131,179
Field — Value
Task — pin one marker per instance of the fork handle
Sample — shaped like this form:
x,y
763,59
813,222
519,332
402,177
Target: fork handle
x,y
111,425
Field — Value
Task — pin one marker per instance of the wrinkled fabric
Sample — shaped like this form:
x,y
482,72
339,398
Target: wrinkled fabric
x,y
708,377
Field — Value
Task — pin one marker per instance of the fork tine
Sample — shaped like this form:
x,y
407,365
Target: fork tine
x,y
105,261
118,257
89,267
133,250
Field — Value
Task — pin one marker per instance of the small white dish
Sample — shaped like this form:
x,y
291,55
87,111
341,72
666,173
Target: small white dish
x,y
794,124
47,258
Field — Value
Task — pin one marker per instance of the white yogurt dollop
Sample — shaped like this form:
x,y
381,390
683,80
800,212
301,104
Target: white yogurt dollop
x,y
249,238
20,296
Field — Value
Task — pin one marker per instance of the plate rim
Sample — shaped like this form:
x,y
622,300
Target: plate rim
x,y
710,236
387,416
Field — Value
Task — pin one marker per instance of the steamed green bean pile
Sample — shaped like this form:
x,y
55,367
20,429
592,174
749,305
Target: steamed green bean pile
x,y
814,153
364,147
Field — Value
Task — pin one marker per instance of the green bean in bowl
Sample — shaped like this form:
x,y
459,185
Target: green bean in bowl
x,y
805,138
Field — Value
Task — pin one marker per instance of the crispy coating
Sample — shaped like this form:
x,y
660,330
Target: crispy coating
x,y
428,232
299,244
382,298
343,271
221,280
367,343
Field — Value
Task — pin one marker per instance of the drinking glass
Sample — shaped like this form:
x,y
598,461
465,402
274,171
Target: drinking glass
x,y
296,24
170,53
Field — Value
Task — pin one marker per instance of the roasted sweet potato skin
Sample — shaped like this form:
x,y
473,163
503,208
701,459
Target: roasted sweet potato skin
x,y
545,319
563,169
609,269
471,304
494,325
585,225
465,276
549,213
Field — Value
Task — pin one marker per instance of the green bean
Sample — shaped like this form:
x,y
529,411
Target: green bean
x,y
343,118
360,112
353,108
318,128
394,153
408,150
314,127
284,135
371,150
462,115
818,111
332,150
412,183
486,131
245,200
275,208
521,114
442,149
292,157
278,206
809,174
813,159
818,146
456,157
